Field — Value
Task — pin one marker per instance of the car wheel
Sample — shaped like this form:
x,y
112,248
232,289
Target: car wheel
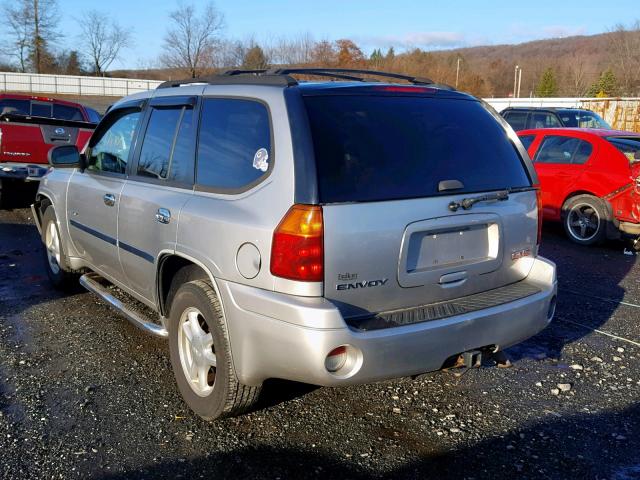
x,y
201,355
585,219
55,258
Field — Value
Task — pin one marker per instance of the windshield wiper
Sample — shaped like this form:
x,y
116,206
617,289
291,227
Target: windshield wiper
x,y
468,203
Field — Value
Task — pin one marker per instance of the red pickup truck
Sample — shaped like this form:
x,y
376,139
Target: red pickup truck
x,y
29,127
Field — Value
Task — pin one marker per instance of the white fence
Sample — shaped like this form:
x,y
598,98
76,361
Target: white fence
x,y
73,85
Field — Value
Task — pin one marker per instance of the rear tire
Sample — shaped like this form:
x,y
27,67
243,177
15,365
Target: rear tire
x,y
201,355
55,258
585,219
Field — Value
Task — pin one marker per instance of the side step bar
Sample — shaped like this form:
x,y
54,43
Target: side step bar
x,y
91,281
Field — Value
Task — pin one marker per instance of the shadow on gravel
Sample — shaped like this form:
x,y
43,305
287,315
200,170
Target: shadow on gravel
x,y
579,446
584,273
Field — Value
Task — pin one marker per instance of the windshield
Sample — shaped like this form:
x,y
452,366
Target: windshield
x,y
629,146
582,119
373,148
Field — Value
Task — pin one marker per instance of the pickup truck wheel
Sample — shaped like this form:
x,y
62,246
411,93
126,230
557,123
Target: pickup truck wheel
x,y
201,355
55,259
584,219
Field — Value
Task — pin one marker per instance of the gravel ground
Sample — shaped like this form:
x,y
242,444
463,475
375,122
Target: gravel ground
x,y
84,394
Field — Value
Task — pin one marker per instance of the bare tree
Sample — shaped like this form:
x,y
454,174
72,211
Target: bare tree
x,y
102,39
191,41
17,21
32,26
624,44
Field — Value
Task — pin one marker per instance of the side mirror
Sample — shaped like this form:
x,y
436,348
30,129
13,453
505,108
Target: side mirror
x,y
65,156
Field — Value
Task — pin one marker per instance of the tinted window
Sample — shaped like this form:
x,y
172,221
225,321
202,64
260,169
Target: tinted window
x,y
20,107
94,117
629,147
39,109
582,119
557,149
234,147
181,169
370,148
158,141
527,140
543,120
517,120
110,147
167,149
64,112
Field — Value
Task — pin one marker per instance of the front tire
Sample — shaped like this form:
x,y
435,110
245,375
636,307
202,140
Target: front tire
x,y
55,258
584,219
201,354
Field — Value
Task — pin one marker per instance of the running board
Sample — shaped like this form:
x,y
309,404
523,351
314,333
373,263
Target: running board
x,y
91,281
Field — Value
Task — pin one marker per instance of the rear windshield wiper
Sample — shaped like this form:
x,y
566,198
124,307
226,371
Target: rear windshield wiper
x,y
467,203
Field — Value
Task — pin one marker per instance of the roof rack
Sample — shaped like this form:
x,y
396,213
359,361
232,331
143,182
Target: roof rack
x,y
282,77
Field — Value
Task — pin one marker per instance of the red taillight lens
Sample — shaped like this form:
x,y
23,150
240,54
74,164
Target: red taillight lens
x,y
539,199
405,89
297,251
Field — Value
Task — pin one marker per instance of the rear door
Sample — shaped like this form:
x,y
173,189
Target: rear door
x,y
392,174
160,185
93,196
560,160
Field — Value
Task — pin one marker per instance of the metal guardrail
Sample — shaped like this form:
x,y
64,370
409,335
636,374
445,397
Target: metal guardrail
x,y
73,85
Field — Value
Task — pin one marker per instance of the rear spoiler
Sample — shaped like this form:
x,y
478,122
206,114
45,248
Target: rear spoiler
x,y
18,118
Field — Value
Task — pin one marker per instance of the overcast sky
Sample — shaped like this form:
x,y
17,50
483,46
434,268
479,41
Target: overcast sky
x,y
371,23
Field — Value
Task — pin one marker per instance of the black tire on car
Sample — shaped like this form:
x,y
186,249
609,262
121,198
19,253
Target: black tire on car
x,y
201,355
56,261
585,219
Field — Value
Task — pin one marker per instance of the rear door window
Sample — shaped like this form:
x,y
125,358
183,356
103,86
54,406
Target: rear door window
x,y
517,120
561,149
16,107
167,148
65,112
543,120
234,146
41,109
383,147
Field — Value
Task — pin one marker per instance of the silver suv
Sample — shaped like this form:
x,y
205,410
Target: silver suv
x,y
332,233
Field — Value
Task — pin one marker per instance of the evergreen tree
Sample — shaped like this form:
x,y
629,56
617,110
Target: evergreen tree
x,y
255,59
391,54
376,58
606,86
547,86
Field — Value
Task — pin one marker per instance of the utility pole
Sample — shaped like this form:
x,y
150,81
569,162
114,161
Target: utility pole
x,y
515,81
519,81
457,73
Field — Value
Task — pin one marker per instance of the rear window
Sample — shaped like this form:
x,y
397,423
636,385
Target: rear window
x,y
517,120
41,109
16,107
582,119
629,147
65,112
372,148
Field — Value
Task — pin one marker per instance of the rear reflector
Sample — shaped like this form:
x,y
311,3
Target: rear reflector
x,y
297,250
336,359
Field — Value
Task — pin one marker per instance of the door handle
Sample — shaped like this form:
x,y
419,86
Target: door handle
x,y
163,215
109,199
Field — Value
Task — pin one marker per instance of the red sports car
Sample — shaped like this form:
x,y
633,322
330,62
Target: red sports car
x,y
590,180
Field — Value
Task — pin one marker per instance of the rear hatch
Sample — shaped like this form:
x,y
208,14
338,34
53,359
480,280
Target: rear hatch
x,y
393,172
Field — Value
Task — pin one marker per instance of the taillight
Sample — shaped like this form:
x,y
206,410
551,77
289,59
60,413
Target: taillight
x,y
297,250
539,201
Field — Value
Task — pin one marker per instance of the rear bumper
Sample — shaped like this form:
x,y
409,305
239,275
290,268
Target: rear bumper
x,y
282,336
23,171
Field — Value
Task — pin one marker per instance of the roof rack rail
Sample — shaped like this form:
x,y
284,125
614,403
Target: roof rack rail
x,y
338,73
282,77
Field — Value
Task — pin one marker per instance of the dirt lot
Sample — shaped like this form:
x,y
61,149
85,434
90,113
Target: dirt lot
x,y
83,394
